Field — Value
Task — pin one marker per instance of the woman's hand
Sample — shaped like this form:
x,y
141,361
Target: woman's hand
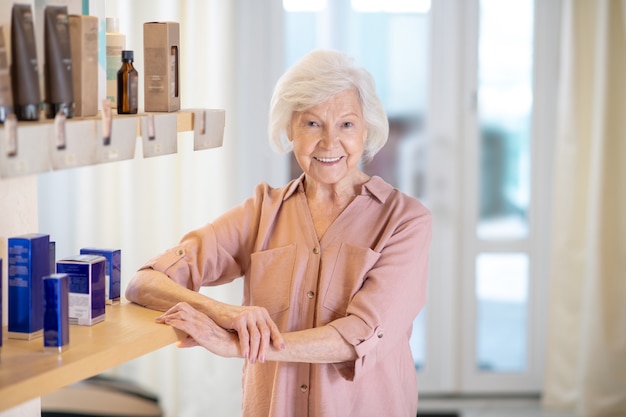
x,y
255,329
253,325
201,330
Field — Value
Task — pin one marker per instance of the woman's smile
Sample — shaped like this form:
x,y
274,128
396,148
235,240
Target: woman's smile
x,y
328,160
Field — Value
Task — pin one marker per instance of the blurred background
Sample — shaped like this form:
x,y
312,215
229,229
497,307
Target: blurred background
x,y
506,121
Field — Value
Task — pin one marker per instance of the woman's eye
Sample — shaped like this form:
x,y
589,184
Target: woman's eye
x,y
348,124
312,123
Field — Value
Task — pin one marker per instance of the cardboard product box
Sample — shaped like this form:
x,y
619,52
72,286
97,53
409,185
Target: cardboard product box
x,y
113,270
84,47
86,279
161,49
29,262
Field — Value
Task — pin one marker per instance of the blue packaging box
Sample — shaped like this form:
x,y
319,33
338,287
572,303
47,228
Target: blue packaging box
x,y
56,310
1,322
112,273
29,262
86,282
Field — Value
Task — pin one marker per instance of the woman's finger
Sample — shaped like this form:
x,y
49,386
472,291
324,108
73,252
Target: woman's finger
x,y
264,342
275,336
255,340
244,342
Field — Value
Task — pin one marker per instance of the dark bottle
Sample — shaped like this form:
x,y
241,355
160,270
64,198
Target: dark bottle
x,y
24,67
58,83
127,85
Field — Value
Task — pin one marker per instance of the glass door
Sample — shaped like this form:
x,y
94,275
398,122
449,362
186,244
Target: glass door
x,y
504,274
490,193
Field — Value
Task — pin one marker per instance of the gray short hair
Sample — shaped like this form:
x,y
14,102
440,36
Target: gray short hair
x,y
314,79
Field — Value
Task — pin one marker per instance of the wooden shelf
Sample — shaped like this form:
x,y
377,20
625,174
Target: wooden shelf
x,y
128,332
37,147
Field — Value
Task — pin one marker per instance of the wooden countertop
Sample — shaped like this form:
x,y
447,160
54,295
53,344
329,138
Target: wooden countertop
x,y
128,332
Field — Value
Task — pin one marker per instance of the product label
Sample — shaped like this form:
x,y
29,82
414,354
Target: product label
x,y
80,308
114,60
134,91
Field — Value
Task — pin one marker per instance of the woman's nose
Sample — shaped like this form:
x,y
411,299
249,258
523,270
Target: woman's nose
x,y
329,137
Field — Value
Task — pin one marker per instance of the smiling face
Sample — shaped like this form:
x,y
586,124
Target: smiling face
x,y
328,140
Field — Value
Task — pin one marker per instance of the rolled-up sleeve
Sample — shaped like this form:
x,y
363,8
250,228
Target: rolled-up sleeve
x,y
216,253
198,260
172,263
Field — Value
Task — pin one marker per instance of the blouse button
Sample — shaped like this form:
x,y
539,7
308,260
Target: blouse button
x,y
304,388
316,250
380,335
179,252
310,294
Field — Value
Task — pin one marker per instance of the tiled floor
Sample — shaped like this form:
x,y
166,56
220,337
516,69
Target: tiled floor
x,y
487,407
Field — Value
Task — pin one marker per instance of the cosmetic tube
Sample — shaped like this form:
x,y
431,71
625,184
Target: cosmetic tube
x,y
6,100
107,122
24,66
58,81
56,319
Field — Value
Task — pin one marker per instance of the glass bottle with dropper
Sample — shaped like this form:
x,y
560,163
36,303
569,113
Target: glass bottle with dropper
x,y
127,85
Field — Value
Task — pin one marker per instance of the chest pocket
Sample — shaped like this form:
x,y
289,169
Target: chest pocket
x,y
347,277
271,273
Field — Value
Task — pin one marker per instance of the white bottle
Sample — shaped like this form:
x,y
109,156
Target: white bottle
x,y
115,44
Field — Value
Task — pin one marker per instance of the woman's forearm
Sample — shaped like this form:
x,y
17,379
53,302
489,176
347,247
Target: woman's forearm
x,y
155,290
318,345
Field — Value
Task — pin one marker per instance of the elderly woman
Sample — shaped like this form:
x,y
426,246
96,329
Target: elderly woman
x,y
334,263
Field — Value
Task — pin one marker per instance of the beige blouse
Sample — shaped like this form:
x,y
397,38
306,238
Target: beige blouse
x,y
366,277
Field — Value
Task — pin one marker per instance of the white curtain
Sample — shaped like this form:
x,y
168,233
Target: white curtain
x,y
586,357
231,56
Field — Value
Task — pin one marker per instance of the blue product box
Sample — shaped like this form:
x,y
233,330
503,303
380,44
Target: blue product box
x,y
29,262
1,322
56,313
113,271
86,282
